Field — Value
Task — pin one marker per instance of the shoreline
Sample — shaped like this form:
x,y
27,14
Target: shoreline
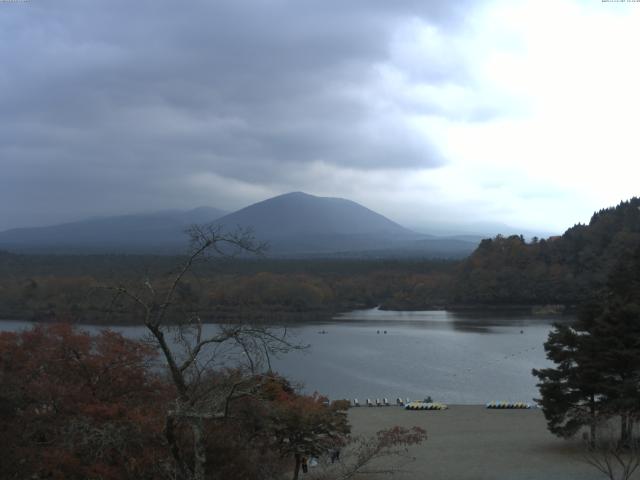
x,y
287,318
536,309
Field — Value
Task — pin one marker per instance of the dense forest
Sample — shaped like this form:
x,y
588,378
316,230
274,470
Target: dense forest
x,y
560,270
502,272
74,287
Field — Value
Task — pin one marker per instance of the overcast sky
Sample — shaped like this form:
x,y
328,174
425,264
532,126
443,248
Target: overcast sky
x,y
522,112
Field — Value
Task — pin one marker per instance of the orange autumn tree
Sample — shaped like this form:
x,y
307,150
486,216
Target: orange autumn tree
x,y
302,425
76,406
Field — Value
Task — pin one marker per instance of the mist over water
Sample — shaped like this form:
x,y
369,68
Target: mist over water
x,y
455,358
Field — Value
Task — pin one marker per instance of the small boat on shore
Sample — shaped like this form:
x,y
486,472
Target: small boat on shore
x,y
426,406
504,405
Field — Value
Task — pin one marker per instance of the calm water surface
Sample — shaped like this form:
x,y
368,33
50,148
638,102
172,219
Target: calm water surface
x,y
454,358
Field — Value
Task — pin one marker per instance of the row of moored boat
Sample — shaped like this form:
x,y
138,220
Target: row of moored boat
x,y
427,404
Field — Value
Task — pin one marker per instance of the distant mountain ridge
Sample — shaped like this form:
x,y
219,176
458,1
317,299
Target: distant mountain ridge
x,y
295,224
157,232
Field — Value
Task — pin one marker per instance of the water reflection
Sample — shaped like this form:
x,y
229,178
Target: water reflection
x,y
471,321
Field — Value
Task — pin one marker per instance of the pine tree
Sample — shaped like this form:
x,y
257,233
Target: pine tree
x,y
571,392
597,373
615,328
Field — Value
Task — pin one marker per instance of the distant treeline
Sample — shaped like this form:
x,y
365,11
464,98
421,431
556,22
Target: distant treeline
x,y
502,272
565,270
75,287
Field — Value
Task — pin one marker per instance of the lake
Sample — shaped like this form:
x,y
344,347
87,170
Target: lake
x,y
457,358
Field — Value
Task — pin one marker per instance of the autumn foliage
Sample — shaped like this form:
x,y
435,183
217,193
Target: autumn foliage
x,y
81,406
74,405
77,406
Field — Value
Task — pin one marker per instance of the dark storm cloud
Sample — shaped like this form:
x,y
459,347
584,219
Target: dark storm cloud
x,y
105,103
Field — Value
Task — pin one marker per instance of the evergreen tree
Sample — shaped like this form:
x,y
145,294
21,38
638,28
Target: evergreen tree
x,y
597,373
571,392
615,328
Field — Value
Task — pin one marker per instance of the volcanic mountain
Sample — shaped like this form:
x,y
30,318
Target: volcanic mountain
x,y
293,224
298,223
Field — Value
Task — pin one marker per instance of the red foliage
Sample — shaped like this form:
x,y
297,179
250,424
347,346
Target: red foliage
x,y
400,436
74,405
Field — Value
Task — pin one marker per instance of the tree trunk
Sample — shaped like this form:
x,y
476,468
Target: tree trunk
x,y
176,374
592,426
169,432
624,429
296,470
199,449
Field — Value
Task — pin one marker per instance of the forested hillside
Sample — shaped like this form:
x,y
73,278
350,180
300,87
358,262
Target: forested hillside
x,y
71,287
558,270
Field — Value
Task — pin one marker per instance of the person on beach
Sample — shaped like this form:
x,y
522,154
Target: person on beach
x,y
335,455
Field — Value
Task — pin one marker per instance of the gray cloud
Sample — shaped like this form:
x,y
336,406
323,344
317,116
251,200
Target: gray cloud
x,y
113,105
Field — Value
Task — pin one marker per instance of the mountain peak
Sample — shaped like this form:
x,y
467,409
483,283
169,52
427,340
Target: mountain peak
x,y
295,194
304,222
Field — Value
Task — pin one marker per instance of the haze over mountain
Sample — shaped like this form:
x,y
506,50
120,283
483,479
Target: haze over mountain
x,y
301,223
158,232
293,224
476,231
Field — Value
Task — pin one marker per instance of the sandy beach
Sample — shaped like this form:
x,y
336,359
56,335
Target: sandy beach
x,y
470,442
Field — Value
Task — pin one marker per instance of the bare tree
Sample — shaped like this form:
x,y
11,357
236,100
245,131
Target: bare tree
x,y
190,350
615,459
385,453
